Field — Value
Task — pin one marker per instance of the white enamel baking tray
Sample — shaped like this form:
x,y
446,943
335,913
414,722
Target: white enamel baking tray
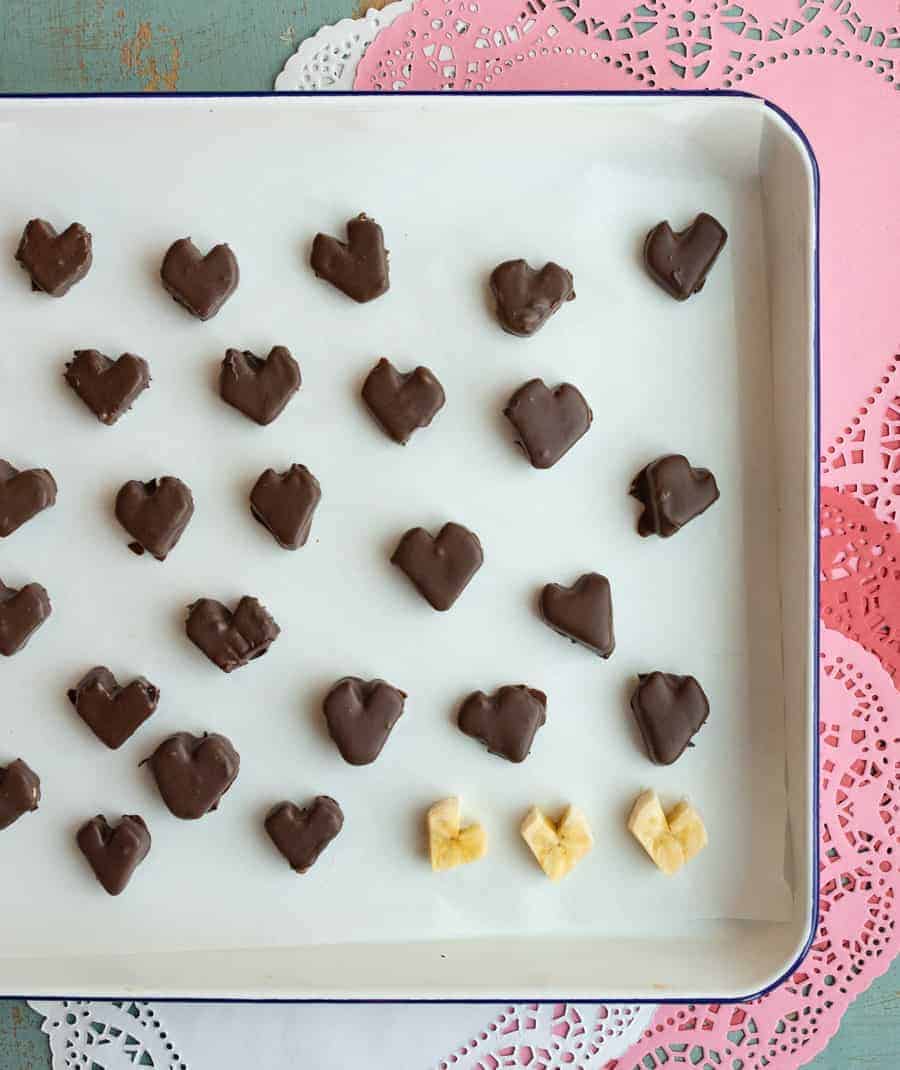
x,y
729,378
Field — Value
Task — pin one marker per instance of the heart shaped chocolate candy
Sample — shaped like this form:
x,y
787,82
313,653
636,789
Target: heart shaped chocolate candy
x,y
439,567
359,266
155,514
23,495
402,403
201,284
360,715
672,492
285,502
526,298
114,851
505,722
302,835
680,261
194,772
548,422
54,261
669,710
20,792
228,639
259,388
582,612
108,387
111,712
22,612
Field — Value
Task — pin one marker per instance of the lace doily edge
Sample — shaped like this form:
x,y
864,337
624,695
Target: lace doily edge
x,y
372,23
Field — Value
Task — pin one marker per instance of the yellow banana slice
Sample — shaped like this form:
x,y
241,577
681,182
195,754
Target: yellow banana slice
x,y
449,845
559,845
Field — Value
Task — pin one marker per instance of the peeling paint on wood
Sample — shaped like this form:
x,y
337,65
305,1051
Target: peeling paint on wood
x,y
363,6
138,57
131,50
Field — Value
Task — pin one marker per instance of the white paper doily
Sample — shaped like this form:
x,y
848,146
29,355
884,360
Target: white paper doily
x,y
222,1036
329,58
111,1035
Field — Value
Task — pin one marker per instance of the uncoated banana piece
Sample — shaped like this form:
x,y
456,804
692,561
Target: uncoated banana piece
x,y
669,839
686,825
449,845
559,845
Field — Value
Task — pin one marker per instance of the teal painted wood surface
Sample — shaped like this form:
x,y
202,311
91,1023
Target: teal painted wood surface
x,y
81,46
84,46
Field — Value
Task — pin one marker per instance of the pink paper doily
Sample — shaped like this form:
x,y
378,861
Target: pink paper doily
x,y
836,71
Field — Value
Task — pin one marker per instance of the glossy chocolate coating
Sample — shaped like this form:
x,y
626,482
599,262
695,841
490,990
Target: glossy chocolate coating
x,y
360,715
23,494
108,387
155,514
228,639
194,772
402,403
680,261
582,612
20,792
672,493
505,722
284,502
201,284
302,835
111,712
114,851
258,388
527,298
441,567
548,422
54,261
669,710
359,266
22,612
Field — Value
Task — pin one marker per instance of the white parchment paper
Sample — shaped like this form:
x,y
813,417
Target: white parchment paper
x,y
456,192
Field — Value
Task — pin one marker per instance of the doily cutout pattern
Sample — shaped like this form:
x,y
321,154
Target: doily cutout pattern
x,y
112,1036
860,543
864,458
472,45
861,577
547,1036
328,59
